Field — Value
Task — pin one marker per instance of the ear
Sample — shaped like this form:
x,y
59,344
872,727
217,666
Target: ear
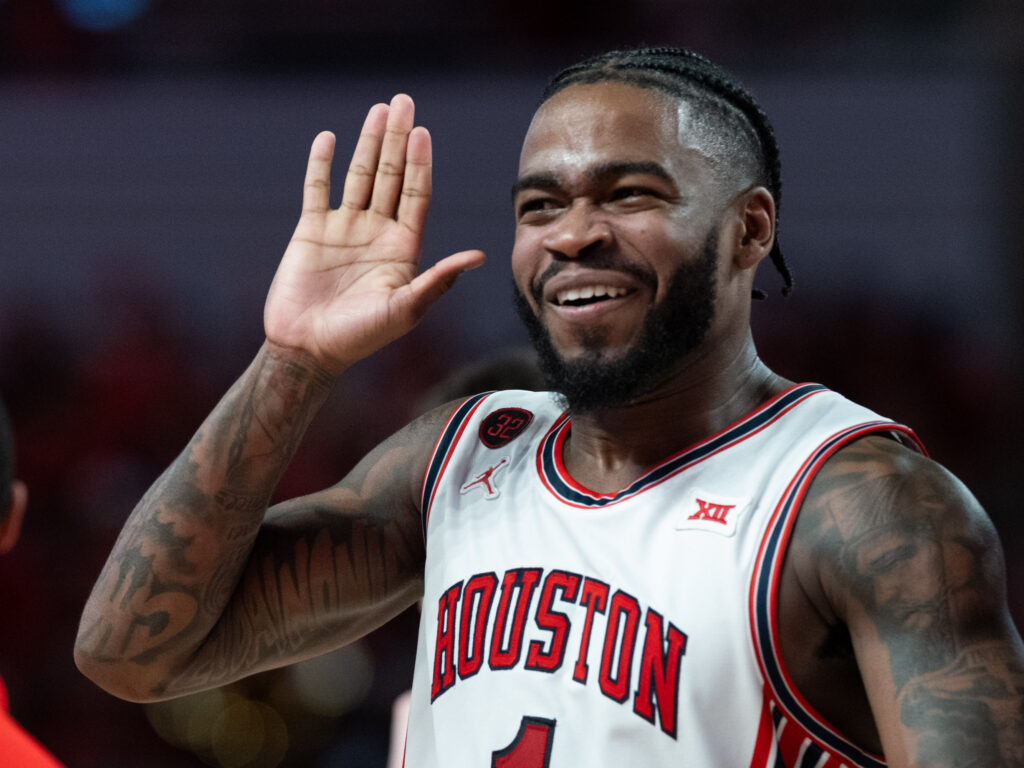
x,y
10,528
756,233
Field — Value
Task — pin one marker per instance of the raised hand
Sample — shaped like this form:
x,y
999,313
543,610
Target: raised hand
x,y
348,282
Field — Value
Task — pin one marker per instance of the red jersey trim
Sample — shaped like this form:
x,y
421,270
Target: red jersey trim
x,y
795,719
442,454
554,476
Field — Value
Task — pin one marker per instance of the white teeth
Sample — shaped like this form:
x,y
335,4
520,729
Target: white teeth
x,y
588,292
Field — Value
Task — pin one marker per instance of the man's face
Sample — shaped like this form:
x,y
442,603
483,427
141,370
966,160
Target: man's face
x,y
615,256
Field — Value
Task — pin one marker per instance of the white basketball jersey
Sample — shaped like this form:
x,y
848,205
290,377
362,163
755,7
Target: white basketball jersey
x,y
565,628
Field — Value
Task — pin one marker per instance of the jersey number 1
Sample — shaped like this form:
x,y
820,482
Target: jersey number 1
x,y
531,747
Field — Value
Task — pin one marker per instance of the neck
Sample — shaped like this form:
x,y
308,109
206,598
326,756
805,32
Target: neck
x,y
608,449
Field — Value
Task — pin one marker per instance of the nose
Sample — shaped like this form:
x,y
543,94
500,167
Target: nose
x,y
578,232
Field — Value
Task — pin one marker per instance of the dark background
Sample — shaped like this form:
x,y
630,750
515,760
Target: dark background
x,y
151,159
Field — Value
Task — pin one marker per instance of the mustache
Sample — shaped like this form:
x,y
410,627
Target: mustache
x,y
607,261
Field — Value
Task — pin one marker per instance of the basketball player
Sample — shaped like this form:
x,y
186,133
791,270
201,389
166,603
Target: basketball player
x,y
682,559
17,747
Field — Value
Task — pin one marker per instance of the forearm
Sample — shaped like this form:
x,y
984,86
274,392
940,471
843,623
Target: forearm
x,y
175,565
169,598
970,711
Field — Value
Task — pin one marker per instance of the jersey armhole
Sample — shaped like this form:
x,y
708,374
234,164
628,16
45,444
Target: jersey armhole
x,y
798,727
443,450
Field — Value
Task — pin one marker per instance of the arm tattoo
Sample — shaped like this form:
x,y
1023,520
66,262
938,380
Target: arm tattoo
x,y
972,706
328,577
899,539
182,550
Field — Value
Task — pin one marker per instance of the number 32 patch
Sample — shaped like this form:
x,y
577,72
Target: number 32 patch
x,y
503,426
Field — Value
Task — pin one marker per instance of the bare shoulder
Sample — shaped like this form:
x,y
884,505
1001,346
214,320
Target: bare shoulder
x,y
878,507
373,513
893,546
394,470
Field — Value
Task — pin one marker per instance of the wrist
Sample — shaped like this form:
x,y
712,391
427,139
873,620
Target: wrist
x,y
303,362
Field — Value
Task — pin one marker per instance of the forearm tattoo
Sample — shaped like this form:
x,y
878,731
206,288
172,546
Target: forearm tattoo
x,y
904,547
182,550
320,583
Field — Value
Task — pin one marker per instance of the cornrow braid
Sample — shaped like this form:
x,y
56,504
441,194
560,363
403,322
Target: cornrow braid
x,y
680,72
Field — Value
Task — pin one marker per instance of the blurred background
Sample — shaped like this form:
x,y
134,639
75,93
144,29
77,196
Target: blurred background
x,y
151,160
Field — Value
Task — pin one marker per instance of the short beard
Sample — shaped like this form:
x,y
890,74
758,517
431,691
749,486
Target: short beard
x,y
672,329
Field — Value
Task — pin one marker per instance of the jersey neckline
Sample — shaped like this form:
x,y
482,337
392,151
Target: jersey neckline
x,y
556,478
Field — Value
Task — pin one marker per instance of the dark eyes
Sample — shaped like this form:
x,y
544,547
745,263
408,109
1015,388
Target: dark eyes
x,y
537,204
617,195
627,193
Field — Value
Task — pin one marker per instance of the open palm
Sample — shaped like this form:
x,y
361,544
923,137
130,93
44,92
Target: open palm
x,y
348,282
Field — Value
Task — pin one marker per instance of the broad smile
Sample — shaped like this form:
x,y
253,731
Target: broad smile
x,y
588,294
577,289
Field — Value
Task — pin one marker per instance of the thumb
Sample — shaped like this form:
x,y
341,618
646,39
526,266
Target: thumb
x,y
431,285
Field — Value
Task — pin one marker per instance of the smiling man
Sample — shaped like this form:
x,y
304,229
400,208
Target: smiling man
x,y
680,558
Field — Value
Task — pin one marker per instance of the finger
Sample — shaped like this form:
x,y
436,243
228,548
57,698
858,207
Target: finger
x,y
316,189
387,184
415,199
429,286
363,167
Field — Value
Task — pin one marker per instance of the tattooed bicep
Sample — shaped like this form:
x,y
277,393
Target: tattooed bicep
x,y
896,532
393,472
380,494
905,554
909,561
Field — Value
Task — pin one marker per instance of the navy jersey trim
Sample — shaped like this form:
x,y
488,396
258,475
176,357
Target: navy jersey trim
x,y
763,590
557,480
443,451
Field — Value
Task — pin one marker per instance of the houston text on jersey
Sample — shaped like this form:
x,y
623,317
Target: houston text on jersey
x,y
470,636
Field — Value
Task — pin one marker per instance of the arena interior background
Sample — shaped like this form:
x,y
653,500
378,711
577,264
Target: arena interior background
x,y
151,158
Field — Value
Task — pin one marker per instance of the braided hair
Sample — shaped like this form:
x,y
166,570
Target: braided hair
x,y
722,104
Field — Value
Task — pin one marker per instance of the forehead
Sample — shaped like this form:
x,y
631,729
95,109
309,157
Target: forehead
x,y
585,125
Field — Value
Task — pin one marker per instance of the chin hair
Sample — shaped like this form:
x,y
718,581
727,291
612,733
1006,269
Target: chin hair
x,y
672,329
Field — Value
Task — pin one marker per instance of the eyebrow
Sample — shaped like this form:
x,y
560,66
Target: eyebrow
x,y
601,172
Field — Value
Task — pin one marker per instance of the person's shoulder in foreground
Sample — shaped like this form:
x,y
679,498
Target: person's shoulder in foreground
x,y
690,561
17,747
